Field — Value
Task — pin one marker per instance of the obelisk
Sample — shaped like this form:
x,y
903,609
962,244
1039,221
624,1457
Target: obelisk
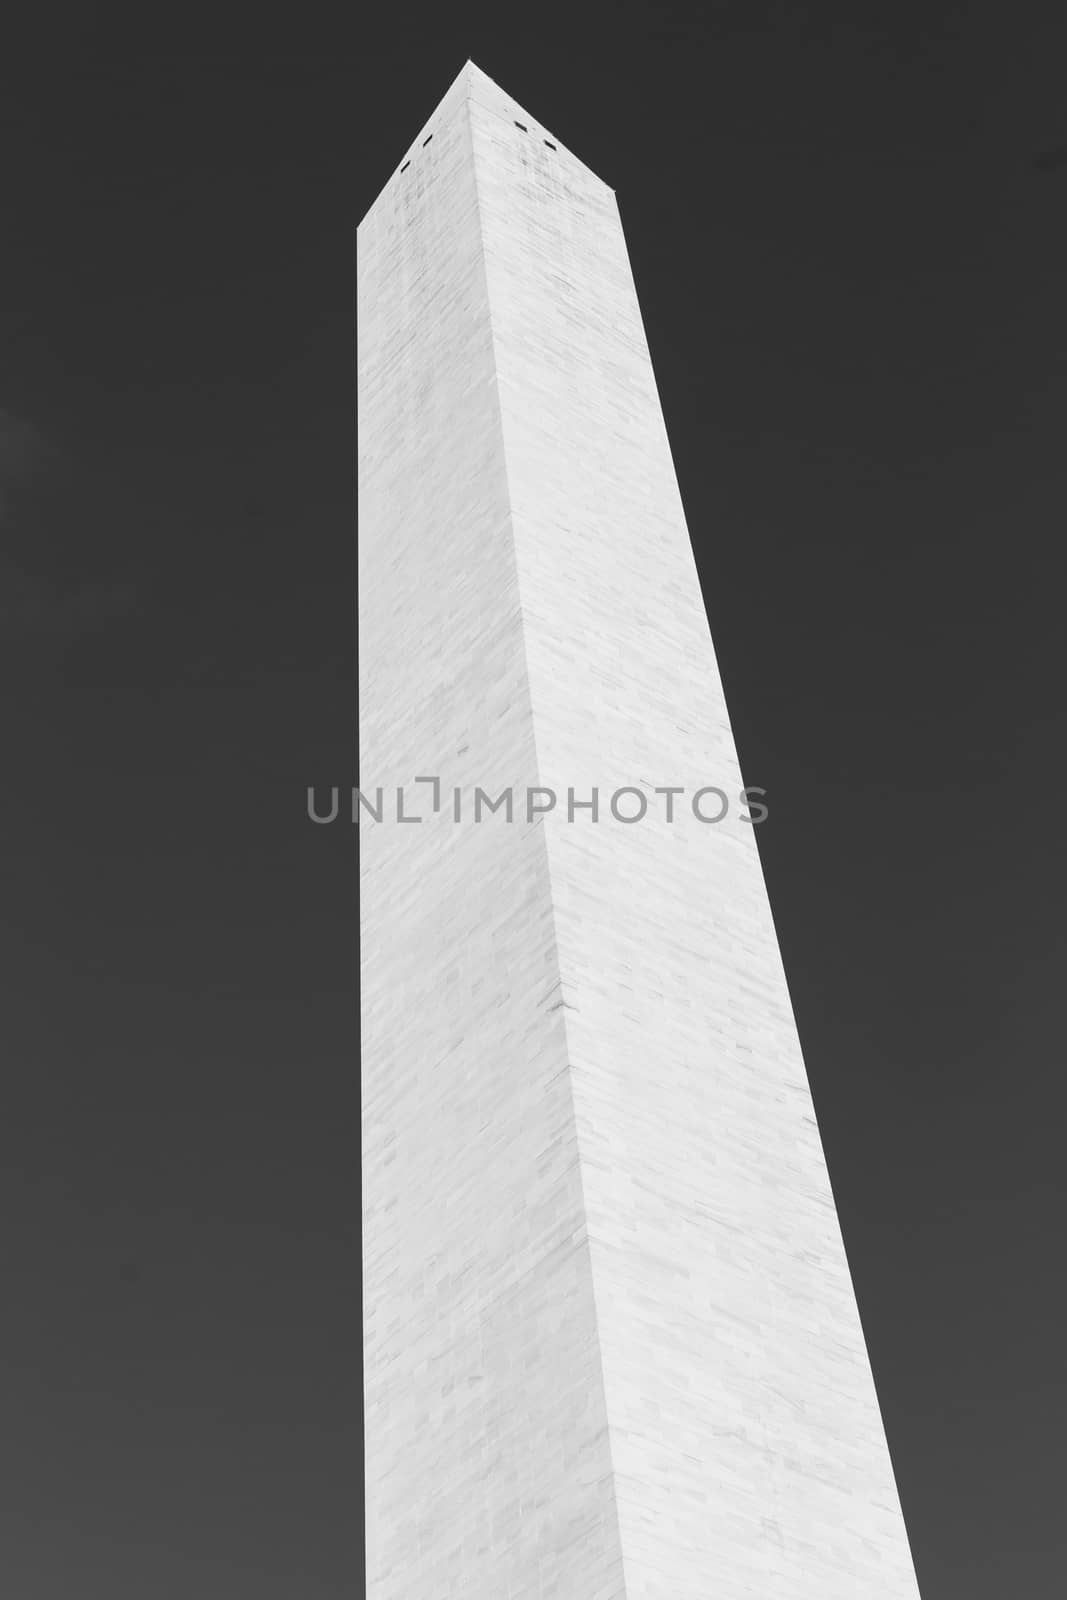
x,y
611,1345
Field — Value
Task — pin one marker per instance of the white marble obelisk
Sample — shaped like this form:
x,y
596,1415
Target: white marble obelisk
x,y
612,1350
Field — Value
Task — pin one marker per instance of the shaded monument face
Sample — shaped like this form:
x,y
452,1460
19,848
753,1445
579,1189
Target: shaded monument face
x,y
611,1346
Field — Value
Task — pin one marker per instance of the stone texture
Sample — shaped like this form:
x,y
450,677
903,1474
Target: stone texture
x,y
611,1343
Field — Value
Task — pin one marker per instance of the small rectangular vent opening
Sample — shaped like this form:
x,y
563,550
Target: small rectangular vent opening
x,y
550,145
523,126
426,141
405,167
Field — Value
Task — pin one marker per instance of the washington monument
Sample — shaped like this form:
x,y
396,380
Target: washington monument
x,y
611,1345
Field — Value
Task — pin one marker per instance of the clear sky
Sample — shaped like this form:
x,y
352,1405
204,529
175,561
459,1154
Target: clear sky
x,y
849,239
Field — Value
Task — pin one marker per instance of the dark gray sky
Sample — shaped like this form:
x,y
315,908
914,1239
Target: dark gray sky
x,y
849,238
